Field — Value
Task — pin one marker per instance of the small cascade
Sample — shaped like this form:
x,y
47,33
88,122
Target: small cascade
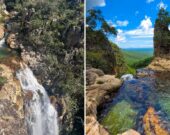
x,y
2,43
127,77
41,116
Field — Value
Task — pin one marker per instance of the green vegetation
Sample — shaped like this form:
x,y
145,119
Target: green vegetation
x,y
142,63
99,51
138,58
105,55
135,55
121,66
162,33
54,29
118,120
3,80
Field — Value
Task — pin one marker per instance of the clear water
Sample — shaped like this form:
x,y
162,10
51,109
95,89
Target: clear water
x,y
41,116
140,94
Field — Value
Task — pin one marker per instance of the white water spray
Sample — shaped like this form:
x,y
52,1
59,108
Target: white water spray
x,y
41,116
2,42
127,77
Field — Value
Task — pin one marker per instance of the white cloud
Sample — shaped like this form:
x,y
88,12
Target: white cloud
x,y
118,23
95,3
149,1
162,5
146,24
111,23
120,36
122,23
144,30
143,34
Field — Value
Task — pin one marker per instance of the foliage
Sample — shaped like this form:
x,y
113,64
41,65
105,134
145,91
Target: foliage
x,y
121,65
135,55
54,29
99,51
3,80
120,118
142,63
162,33
94,16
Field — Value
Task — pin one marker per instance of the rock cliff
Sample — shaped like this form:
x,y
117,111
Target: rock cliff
x,y
99,89
11,102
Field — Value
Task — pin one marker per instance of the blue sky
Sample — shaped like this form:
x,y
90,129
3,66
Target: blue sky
x,y
134,19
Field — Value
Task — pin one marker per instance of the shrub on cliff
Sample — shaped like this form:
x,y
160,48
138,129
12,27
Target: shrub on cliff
x,y
99,51
162,33
54,29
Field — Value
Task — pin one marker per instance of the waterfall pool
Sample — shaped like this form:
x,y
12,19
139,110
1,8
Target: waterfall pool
x,y
128,109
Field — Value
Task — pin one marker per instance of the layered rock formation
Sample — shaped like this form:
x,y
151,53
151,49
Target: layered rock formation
x,y
152,123
11,104
160,64
99,90
161,60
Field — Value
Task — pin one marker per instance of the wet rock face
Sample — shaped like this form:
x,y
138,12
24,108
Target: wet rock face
x,y
10,122
11,104
152,123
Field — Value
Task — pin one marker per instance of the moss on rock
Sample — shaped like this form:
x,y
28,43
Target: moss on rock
x,y
120,118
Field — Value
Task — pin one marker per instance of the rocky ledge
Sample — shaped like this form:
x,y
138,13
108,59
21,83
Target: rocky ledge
x,y
99,90
160,64
11,103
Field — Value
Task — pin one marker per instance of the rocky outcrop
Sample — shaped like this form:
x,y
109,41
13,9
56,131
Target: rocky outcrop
x,y
98,91
130,132
11,104
152,123
160,64
93,127
11,41
162,34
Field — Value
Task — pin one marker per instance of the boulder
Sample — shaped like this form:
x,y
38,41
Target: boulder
x,y
93,127
92,74
130,132
11,41
99,88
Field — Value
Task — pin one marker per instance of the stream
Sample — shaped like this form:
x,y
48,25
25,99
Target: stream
x,y
142,103
40,115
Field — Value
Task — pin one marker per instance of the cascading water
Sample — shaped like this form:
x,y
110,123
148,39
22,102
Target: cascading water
x,y
41,116
2,42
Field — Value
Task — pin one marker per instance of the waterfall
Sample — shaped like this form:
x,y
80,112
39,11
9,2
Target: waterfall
x,y
2,42
41,116
127,77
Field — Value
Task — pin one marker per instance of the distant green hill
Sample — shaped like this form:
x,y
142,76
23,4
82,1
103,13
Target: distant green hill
x,y
135,55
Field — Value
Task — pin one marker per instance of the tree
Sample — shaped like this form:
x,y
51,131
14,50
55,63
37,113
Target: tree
x,y
162,33
94,17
